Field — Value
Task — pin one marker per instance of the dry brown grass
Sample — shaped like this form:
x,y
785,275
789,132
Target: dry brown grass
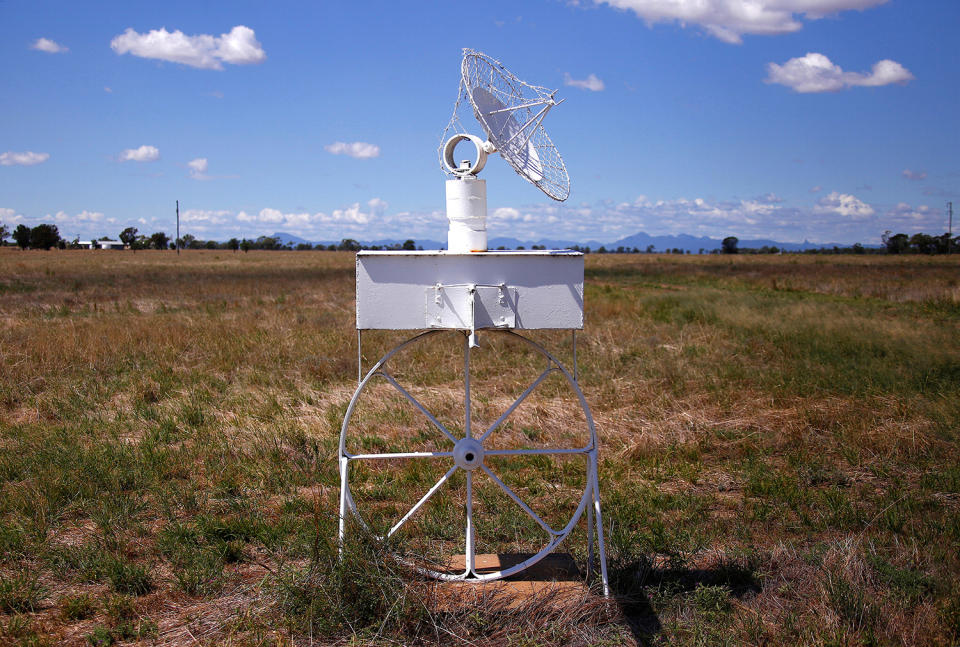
x,y
779,445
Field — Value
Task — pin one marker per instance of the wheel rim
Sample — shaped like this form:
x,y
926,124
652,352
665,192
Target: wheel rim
x,y
469,454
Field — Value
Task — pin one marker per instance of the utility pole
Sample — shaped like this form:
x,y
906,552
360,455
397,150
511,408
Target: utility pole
x,y
178,227
950,228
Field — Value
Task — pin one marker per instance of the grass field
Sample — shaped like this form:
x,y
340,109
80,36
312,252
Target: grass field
x,y
780,459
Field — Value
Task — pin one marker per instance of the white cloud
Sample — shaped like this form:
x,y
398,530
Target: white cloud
x,y
904,218
505,214
591,83
358,150
817,73
206,217
271,216
48,46
914,175
87,221
351,214
377,206
84,224
6,212
84,216
757,207
351,219
198,168
238,47
883,72
143,154
26,158
837,217
729,20
843,204
368,220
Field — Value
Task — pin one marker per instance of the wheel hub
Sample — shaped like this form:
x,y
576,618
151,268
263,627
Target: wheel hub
x,y
468,453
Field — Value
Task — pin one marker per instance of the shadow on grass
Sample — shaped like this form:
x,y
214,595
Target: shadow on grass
x,y
637,586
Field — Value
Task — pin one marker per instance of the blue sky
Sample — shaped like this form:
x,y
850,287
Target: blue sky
x,y
824,120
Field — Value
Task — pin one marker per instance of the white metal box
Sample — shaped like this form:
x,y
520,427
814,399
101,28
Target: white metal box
x,y
414,290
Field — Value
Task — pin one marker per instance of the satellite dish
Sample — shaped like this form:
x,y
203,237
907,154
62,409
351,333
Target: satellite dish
x,y
501,126
511,113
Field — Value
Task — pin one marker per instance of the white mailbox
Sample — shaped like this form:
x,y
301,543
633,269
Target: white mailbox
x,y
414,290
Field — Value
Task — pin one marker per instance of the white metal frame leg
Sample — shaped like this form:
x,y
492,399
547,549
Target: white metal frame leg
x,y
601,544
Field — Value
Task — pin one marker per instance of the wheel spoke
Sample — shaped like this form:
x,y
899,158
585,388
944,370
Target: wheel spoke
x,y
516,499
535,452
416,403
424,499
397,455
517,402
470,552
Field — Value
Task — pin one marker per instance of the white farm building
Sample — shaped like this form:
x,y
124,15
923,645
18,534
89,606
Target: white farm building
x,y
100,244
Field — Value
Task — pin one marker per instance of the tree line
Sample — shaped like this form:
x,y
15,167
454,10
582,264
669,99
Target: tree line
x,y
892,244
920,244
46,236
42,236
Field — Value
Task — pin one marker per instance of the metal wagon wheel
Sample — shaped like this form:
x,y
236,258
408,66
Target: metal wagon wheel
x,y
471,453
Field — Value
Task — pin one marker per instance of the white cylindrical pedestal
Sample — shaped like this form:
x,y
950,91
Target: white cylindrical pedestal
x,y
467,213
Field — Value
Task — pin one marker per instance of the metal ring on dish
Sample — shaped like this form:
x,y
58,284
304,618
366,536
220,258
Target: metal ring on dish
x,y
475,167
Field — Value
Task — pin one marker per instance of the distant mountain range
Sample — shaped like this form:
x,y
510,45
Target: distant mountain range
x,y
290,239
693,244
640,240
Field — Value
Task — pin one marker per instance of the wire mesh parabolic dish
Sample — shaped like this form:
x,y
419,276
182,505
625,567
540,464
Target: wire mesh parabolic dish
x,y
511,113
